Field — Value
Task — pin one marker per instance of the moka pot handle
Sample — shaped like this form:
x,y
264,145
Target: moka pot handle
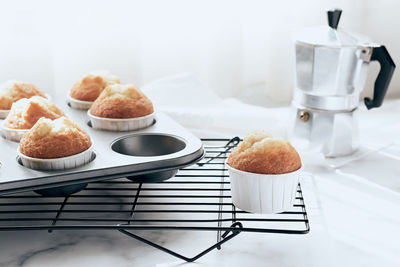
x,y
380,54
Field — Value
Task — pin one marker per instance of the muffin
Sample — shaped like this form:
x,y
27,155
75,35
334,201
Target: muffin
x,y
13,91
25,113
261,153
264,173
57,138
88,89
55,144
122,101
121,108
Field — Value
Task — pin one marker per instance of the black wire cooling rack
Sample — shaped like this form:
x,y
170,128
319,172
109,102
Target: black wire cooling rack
x,y
196,199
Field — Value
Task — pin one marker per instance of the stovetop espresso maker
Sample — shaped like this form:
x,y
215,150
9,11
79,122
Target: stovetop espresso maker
x,y
331,70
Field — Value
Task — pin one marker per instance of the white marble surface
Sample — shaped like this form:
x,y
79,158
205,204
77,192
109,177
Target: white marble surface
x,y
354,212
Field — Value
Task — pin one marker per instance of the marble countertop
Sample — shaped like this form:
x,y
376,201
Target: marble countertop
x,y
354,213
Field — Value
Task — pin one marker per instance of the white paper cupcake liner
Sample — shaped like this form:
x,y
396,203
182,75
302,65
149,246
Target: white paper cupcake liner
x,y
63,163
13,134
79,104
263,193
4,113
120,125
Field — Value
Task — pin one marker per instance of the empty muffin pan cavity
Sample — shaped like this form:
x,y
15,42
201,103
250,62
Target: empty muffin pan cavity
x,y
148,145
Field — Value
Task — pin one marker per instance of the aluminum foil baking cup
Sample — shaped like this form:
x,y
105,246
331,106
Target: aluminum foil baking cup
x,y
263,193
63,163
120,125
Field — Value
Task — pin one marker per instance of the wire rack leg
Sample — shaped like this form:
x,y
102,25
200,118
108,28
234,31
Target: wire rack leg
x,y
135,202
228,235
58,213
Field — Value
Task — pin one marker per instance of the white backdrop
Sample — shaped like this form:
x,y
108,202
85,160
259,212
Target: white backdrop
x,y
239,48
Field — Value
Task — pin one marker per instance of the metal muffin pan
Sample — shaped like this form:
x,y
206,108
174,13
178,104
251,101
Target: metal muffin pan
x,y
147,155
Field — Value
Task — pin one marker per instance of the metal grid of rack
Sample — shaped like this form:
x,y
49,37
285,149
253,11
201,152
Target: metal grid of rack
x,y
196,199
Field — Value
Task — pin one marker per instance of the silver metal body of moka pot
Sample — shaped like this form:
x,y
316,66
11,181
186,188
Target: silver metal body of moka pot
x,y
330,72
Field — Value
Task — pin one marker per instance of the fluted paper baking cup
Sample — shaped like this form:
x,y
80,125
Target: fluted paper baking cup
x,y
120,125
13,134
79,104
263,193
63,163
4,113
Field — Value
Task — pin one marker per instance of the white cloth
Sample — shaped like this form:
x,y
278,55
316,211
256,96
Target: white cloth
x,y
197,107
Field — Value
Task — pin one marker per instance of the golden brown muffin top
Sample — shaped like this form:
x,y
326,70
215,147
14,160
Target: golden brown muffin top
x,y
90,86
57,138
13,91
261,153
26,112
122,101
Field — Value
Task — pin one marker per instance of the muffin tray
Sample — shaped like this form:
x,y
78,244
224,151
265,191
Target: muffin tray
x,y
147,155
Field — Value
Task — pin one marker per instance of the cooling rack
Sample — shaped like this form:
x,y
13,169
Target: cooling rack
x,y
196,199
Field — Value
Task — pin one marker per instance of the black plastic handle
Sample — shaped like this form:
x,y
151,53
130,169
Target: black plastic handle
x,y
334,17
382,82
